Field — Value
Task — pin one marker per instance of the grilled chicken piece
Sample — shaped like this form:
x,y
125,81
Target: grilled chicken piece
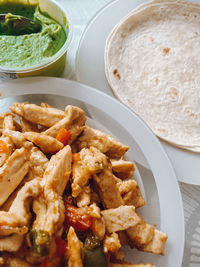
x,y
111,243
120,218
1,121
38,162
18,139
49,208
6,149
12,173
90,162
38,115
74,122
104,142
47,144
157,244
17,218
106,186
11,243
28,126
84,198
123,169
141,234
10,224
45,105
98,227
8,123
16,262
58,171
131,193
23,200
144,237
74,249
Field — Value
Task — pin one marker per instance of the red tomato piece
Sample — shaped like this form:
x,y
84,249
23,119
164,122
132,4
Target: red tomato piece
x,y
44,263
78,218
60,247
63,136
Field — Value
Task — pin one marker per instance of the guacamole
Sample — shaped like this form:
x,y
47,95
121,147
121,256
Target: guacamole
x,y
30,49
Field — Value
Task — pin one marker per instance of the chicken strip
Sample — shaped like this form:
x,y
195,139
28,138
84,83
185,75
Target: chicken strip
x,y
28,126
120,218
104,142
38,162
74,122
123,169
90,162
58,171
47,144
8,123
12,173
17,219
16,262
38,115
157,244
1,121
131,193
49,207
7,148
111,243
105,185
11,243
84,197
141,234
74,249
18,139
144,237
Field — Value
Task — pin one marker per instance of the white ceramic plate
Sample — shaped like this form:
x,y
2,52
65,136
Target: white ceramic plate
x,y
164,209
90,70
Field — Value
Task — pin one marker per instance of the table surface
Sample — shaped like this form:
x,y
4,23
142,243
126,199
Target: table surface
x,y
80,13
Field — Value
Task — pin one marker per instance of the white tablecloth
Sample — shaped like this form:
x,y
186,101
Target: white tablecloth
x,y
81,11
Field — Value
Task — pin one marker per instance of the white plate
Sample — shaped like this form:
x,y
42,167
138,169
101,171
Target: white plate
x,y
165,210
90,70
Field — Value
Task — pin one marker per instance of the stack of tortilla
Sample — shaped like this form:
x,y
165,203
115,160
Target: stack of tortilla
x,y
152,63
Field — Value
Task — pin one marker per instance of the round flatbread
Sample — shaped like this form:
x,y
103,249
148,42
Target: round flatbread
x,y
152,63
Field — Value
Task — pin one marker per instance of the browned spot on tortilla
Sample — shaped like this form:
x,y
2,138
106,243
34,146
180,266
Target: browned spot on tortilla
x,y
195,16
196,33
162,130
157,80
166,51
116,73
152,39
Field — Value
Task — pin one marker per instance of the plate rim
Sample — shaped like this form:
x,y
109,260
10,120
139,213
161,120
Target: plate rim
x,y
72,89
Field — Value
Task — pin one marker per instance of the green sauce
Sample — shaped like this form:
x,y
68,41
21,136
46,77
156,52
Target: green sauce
x,y
30,49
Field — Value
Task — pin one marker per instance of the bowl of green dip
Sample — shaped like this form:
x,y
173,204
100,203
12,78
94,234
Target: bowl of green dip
x,y
35,54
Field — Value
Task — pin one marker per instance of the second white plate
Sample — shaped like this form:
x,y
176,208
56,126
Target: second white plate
x,y
90,70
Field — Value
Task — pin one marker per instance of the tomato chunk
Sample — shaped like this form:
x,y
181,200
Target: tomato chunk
x,y
44,263
78,218
3,147
63,136
60,247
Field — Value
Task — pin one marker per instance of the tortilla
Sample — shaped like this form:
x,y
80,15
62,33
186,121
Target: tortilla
x,y
152,63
